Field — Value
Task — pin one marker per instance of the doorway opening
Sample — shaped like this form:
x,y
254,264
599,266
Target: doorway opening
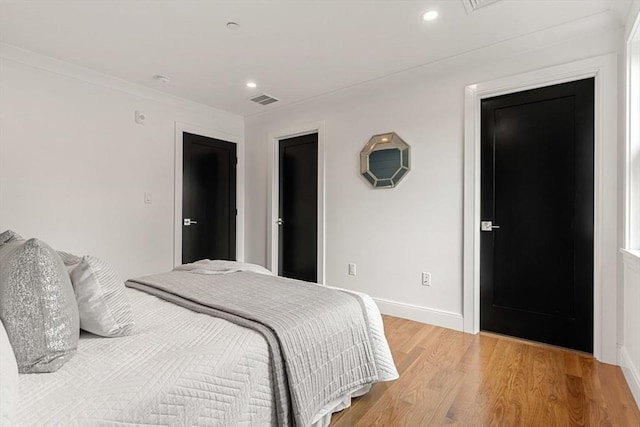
x,y
180,130
605,250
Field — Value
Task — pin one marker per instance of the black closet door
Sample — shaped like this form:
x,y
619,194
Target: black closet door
x,y
298,210
537,187
208,199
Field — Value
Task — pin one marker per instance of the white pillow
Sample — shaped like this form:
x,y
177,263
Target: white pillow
x,y
100,292
9,375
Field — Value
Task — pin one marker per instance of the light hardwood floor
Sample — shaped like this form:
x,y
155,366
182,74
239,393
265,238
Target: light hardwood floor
x,y
448,377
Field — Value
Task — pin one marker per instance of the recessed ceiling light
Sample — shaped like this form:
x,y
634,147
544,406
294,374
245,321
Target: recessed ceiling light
x,y
430,15
162,78
252,84
233,25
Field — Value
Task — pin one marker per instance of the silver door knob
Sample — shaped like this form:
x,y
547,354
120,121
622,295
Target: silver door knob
x,y
189,221
488,226
280,221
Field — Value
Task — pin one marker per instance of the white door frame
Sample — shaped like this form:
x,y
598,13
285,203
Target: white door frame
x,y
273,186
604,69
180,128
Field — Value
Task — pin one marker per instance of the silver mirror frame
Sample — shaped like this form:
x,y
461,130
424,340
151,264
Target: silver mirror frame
x,y
385,141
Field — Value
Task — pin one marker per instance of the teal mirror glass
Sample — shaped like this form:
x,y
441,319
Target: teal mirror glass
x,y
385,160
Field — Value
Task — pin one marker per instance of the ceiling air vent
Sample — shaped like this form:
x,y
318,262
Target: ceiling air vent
x,y
472,5
263,99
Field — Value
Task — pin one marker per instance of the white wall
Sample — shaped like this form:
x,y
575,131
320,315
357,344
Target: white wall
x,y
74,166
394,235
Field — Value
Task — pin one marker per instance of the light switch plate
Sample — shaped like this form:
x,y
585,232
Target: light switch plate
x,y
141,117
352,269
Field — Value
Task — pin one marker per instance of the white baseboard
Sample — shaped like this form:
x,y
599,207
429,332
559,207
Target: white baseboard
x,y
446,319
630,372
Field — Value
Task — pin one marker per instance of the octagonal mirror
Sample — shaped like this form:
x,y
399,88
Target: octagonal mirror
x,y
384,160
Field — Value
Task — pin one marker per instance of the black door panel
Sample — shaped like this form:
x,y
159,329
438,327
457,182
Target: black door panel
x,y
298,208
537,186
208,198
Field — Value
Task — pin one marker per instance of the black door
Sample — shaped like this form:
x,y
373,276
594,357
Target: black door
x,y
536,269
298,209
208,199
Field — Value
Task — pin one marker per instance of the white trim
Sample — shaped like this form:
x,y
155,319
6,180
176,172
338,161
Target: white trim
x,y
272,214
630,372
180,128
445,319
603,68
55,66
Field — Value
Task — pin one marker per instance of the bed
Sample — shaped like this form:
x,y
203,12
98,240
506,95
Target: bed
x,y
185,368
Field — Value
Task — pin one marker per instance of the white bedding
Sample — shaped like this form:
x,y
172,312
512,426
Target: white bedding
x,y
179,368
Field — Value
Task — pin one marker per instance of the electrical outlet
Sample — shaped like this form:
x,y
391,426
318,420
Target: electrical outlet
x,y
426,279
352,269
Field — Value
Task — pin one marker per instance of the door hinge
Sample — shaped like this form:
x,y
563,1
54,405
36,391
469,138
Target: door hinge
x,y
236,160
236,212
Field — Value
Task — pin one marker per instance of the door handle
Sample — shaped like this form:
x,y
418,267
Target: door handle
x,y
189,221
280,221
488,226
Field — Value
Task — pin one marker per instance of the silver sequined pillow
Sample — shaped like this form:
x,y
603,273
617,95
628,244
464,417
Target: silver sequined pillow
x,y
37,306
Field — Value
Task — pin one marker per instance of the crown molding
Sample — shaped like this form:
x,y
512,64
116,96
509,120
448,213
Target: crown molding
x,y
56,66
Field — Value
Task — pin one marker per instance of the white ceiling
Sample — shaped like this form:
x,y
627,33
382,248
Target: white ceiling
x,y
294,50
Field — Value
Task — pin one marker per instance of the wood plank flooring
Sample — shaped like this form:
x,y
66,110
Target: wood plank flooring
x,y
451,378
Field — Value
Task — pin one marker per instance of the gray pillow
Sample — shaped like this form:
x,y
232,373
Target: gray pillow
x,y
8,236
37,306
